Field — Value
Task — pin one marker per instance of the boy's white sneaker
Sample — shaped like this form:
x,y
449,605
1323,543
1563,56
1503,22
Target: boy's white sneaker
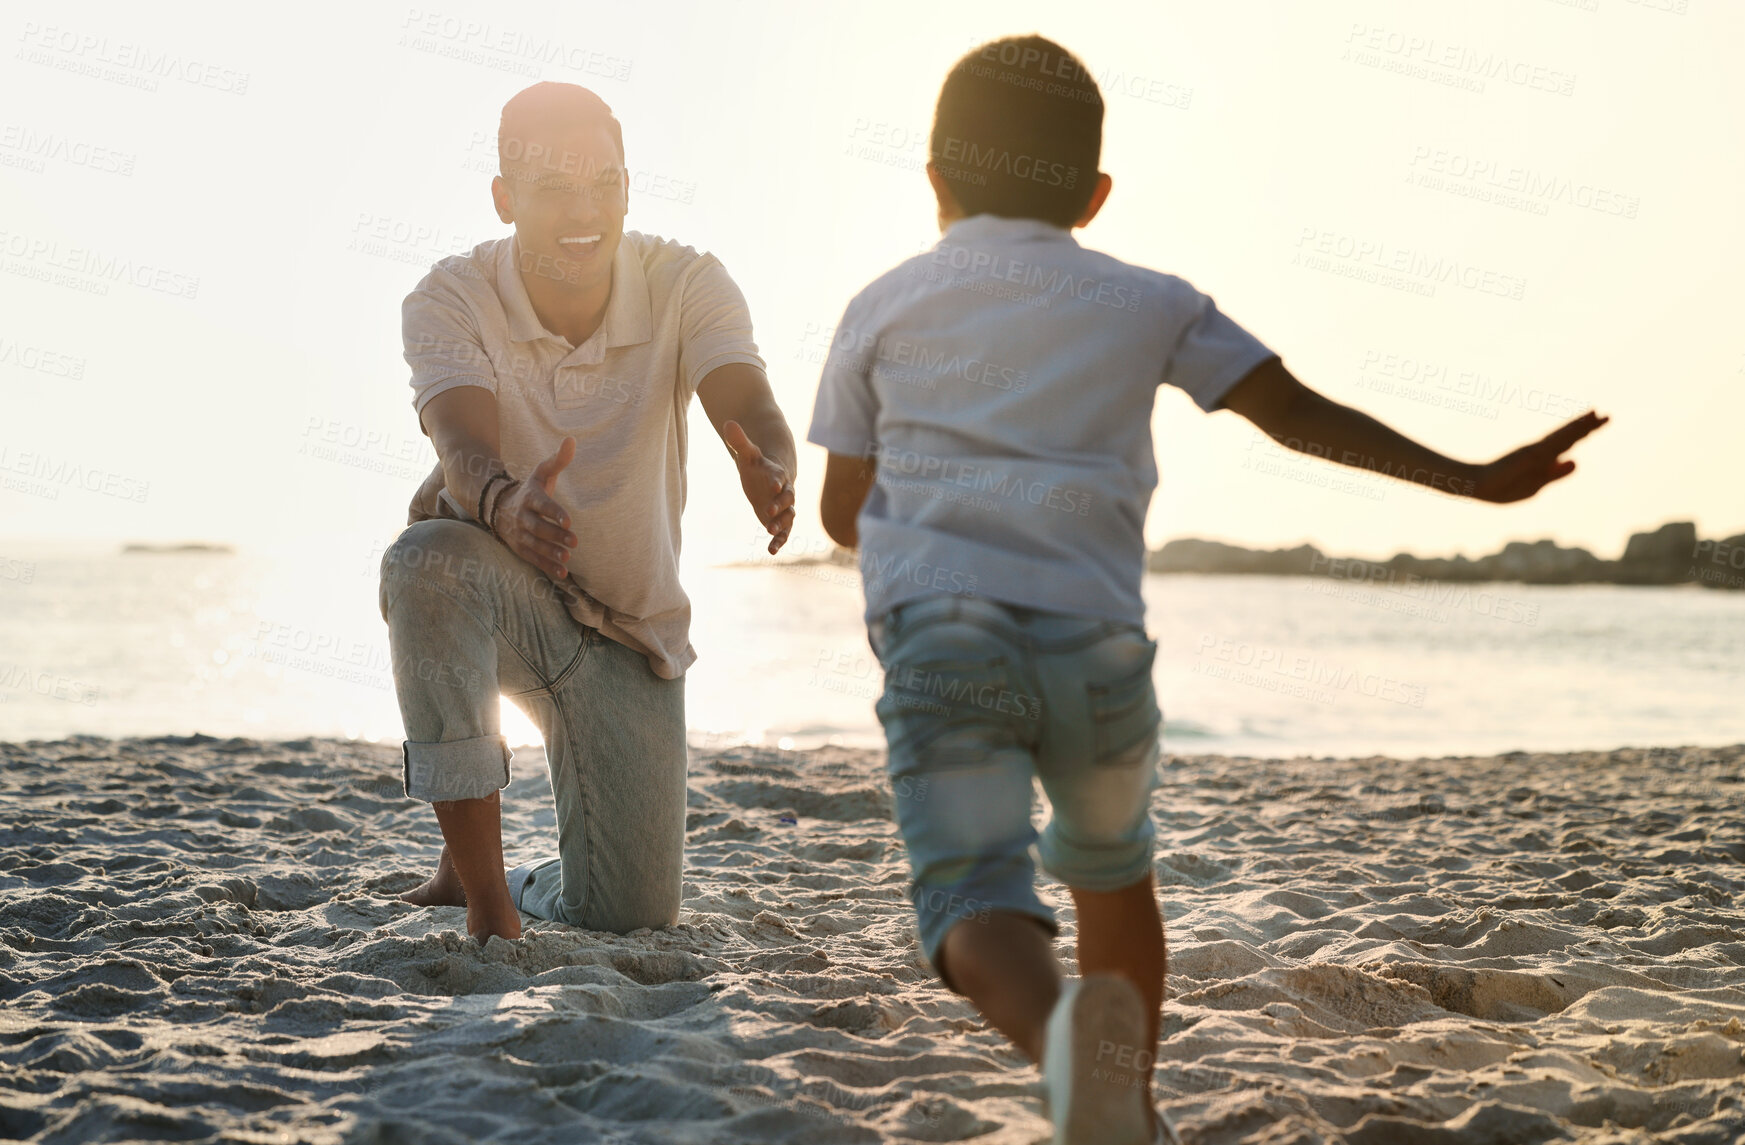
x,y
1094,1061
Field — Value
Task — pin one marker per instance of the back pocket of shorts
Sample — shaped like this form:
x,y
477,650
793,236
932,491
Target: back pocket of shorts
x,y
1124,714
946,707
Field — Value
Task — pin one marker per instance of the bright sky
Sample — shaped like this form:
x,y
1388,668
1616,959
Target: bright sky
x,y
199,315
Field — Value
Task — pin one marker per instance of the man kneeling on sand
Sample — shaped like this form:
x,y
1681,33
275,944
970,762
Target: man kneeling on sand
x,y
553,369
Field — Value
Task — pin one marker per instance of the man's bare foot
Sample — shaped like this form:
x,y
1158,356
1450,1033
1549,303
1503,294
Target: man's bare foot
x,y
443,889
473,829
497,916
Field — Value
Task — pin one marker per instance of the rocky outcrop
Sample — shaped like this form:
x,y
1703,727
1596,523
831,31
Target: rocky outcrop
x,y
1461,568
1543,562
1720,564
1671,554
1190,555
1664,556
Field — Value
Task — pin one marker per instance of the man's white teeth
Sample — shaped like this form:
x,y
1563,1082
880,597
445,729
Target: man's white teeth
x,y
588,239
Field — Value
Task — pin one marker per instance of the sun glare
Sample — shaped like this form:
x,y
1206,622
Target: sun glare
x,y
520,730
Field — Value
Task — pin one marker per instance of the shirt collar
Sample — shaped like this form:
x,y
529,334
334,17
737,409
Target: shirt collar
x,y
996,228
628,320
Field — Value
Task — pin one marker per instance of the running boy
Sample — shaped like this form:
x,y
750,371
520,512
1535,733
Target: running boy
x,y
987,409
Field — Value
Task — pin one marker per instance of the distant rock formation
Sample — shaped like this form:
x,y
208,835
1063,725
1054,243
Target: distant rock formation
x,y
1191,555
1664,556
1720,564
1671,554
188,547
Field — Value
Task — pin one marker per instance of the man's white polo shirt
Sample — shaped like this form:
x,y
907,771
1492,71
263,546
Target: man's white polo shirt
x,y
673,316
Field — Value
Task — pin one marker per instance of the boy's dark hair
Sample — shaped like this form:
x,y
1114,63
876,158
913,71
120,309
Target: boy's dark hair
x,y
1018,131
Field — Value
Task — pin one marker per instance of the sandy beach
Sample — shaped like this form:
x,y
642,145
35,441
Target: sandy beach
x,y
199,942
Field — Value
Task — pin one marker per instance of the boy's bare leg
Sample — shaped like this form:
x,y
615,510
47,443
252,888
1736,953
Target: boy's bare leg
x,y
472,830
1006,966
1122,932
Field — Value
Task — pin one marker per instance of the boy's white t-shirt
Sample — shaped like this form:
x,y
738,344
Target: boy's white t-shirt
x,y
1004,382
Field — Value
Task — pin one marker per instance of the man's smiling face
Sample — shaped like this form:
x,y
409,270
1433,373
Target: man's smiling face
x,y
565,189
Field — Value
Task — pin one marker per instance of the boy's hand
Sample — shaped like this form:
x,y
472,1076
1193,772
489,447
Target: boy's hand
x,y
766,483
1517,476
532,523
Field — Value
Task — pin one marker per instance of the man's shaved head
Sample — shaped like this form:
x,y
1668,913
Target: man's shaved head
x,y
545,112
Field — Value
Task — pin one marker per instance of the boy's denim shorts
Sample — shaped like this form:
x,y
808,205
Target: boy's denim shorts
x,y
982,698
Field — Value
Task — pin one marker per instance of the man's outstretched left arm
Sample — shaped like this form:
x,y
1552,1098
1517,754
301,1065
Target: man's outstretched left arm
x,y
737,398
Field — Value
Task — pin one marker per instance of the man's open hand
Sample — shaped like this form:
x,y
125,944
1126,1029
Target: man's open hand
x,y
768,486
1517,476
530,521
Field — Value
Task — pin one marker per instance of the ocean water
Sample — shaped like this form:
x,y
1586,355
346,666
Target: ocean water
x,y
97,642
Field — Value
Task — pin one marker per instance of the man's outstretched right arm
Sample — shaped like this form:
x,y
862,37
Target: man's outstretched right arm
x,y
462,425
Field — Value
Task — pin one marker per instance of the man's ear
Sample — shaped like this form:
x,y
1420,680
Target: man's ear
x,y
1098,196
949,208
500,199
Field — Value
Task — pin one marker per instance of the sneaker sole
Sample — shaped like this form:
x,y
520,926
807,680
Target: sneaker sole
x,y
1093,1098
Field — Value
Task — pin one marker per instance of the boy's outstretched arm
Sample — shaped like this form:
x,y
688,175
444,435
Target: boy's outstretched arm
x,y
1300,419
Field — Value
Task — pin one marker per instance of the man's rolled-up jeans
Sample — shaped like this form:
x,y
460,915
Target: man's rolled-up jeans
x,y
467,620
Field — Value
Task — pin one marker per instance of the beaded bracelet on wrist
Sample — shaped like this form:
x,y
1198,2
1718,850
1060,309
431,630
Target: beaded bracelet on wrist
x,y
491,513
479,511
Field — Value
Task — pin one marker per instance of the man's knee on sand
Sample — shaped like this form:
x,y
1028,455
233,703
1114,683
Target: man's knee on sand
x,y
654,912
649,897
651,907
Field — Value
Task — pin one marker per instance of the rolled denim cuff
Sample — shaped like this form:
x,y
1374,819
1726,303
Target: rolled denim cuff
x,y
459,769
517,879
